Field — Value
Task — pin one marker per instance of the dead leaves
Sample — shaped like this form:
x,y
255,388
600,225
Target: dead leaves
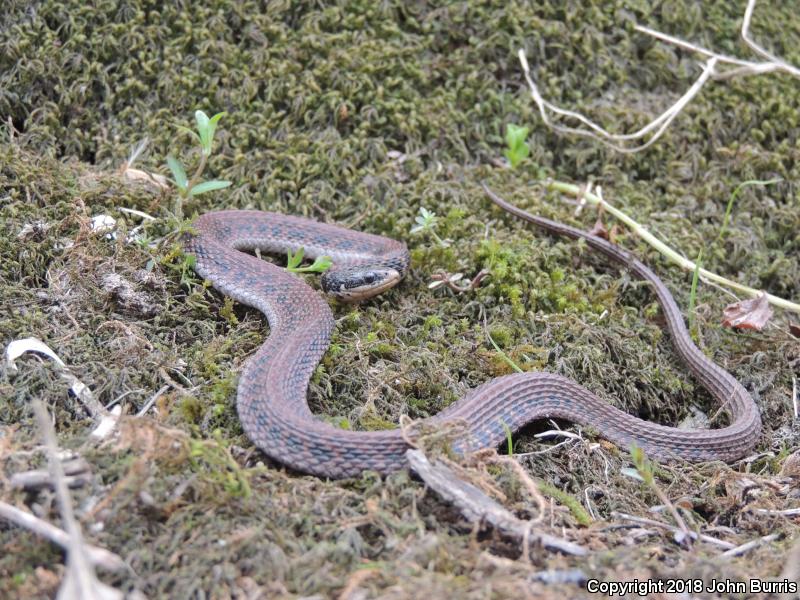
x,y
748,314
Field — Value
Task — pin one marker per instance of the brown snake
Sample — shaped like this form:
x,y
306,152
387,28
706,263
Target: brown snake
x,y
272,390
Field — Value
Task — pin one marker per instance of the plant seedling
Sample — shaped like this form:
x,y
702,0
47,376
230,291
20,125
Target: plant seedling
x,y
189,187
427,221
293,260
517,148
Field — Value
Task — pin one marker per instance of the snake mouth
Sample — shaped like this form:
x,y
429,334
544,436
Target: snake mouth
x,y
355,285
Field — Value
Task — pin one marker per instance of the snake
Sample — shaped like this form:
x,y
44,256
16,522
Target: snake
x,y
271,396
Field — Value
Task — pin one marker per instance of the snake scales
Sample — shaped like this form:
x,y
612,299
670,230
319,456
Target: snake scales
x,y
271,398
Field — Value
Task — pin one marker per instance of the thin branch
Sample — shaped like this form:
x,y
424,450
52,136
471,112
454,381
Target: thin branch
x,y
99,556
701,536
80,580
658,125
675,41
652,240
778,62
661,122
478,508
788,512
739,550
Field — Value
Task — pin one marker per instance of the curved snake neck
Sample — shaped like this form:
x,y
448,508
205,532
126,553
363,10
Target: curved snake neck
x,y
271,398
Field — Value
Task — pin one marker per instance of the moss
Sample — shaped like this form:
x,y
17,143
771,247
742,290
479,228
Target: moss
x,y
359,113
574,506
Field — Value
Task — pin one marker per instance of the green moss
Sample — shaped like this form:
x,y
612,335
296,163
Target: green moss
x,y
359,113
574,506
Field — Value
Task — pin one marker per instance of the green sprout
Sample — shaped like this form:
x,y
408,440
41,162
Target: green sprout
x,y
643,470
190,187
293,260
509,438
518,149
427,221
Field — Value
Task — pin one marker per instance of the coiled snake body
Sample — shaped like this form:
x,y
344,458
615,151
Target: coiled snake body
x,y
271,398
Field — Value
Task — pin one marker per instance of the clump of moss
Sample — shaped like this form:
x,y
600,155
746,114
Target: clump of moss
x,y
360,113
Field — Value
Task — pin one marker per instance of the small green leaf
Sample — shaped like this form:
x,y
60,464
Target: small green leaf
x,y
203,130
177,172
206,128
503,355
212,127
517,155
320,264
518,150
208,186
693,293
739,188
515,135
293,260
509,439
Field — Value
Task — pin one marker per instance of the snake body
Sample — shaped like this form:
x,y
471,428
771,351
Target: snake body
x,y
271,396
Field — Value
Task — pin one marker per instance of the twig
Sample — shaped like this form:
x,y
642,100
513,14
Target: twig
x,y
450,279
644,234
99,556
787,512
658,125
739,550
687,533
148,405
725,58
477,507
653,523
780,64
80,580
105,420
75,471
595,131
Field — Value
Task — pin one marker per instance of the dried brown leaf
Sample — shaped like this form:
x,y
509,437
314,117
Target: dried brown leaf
x,y
599,229
748,314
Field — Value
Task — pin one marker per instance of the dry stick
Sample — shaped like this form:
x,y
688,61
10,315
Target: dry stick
x,y
672,510
80,580
642,232
780,64
76,474
787,512
153,399
477,507
724,58
739,550
99,556
660,123
700,536
598,133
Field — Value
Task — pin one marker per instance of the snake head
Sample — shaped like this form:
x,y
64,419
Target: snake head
x,y
354,284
